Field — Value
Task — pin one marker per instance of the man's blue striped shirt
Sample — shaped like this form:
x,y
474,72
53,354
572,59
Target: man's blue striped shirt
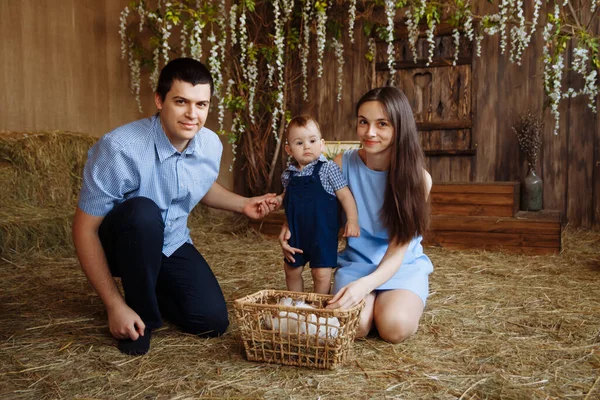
x,y
138,159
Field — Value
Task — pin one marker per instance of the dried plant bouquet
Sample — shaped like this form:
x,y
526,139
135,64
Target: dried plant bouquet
x,y
529,134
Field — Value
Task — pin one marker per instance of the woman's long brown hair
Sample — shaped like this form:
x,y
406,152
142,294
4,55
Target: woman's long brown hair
x,y
405,211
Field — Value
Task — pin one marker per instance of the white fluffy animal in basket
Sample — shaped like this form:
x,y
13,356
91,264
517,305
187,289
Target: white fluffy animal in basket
x,y
290,322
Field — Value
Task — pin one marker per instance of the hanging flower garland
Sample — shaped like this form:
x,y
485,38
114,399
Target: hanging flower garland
x,y
237,129
431,39
321,16
305,48
510,23
504,11
252,76
390,12
456,36
222,105
553,67
196,40
233,23
222,23
134,78
155,69
279,52
351,19
184,39
141,13
339,54
243,39
123,31
519,35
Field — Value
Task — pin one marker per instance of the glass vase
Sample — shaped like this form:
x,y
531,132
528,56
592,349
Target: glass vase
x,y
531,192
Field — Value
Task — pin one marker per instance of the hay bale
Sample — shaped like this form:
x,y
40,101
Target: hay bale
x,y
41,176
43,168
33,231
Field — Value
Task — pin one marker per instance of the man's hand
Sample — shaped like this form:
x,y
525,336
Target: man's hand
x,y
349,296
288,251
260,206
124,323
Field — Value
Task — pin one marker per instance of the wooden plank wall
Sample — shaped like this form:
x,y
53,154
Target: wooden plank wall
x,y
62,67
62,70
569,162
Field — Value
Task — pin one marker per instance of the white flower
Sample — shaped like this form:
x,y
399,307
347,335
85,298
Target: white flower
x,y
580,58
142,14
339,54
243,39
591,88
183,39
351,19
123,31
305,47
165,31
155,69
252,73
222,104
456,36
478,40
469,24
413,32
431,41
233,23
321,39
214,63
390,12
196,41
134,77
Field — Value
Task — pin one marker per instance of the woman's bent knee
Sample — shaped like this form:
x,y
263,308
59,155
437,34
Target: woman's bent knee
x,y
397,331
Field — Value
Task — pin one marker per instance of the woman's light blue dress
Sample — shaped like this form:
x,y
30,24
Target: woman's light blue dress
x,y
363,254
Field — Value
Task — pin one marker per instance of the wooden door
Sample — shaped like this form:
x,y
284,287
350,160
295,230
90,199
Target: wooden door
x,y
441,98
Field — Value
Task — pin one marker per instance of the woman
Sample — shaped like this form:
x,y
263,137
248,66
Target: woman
x,y
385,266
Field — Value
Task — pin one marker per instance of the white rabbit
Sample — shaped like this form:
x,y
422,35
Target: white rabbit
x,y
325,327
287,322
290,322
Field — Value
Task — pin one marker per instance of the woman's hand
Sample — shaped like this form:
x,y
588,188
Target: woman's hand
x,y
350,295
284,236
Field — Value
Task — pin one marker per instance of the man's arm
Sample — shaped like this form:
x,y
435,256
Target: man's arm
x,y
253,207
122,320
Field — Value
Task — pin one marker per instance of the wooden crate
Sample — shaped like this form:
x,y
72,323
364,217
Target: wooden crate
x,y
498,199
525,233
476,216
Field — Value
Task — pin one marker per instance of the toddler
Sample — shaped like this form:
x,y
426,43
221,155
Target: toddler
x,y
312,186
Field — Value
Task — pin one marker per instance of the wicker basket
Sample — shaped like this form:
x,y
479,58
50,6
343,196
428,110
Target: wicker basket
x,y
323,338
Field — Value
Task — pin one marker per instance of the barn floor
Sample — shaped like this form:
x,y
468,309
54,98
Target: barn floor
x,y
496,327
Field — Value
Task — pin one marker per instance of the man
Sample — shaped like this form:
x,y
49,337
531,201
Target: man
x,y
140,183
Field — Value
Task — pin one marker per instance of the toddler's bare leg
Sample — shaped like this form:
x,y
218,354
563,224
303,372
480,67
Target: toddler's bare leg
x,y
321,279
293,278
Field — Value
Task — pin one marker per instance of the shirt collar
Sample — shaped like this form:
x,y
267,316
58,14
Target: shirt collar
x,y
164,147
293,167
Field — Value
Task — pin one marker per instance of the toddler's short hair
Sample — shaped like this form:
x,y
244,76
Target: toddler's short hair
x,y
301,121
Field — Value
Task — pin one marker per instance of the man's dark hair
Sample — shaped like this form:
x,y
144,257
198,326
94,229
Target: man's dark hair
x,y
185,70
